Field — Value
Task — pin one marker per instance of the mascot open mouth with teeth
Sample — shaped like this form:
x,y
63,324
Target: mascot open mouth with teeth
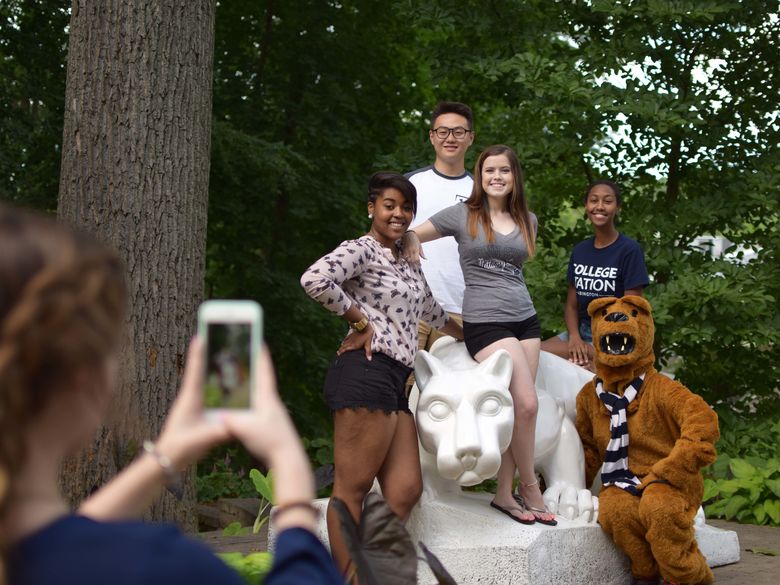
x,y
648,436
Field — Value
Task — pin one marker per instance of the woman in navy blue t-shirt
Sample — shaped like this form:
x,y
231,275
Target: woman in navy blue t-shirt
x,y
609,264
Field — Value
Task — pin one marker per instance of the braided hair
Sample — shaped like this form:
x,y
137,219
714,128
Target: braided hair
x,y
62,304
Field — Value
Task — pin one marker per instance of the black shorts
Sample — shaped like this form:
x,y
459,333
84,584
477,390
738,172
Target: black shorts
x,y
479,335
353,381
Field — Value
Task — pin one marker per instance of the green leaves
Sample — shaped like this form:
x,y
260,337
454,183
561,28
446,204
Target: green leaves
x,y
742,469
674,99
263,484
235,529
265,487
33,45
772,509
253,567
745,486
774,486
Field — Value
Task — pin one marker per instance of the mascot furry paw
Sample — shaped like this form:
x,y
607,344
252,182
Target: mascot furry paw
x,y
648,436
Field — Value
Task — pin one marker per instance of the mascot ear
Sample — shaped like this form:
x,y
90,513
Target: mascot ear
x,y
499,364
426,367
598,304
640,303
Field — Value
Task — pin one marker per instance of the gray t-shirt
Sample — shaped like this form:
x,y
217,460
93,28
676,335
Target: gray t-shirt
x,y
495,287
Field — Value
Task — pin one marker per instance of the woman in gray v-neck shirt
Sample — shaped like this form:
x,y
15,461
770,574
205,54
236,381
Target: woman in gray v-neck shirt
x,y
496,234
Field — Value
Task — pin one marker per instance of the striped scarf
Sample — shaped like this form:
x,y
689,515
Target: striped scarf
x,y
615,469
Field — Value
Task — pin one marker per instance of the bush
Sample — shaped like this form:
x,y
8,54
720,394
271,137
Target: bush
x,y
223,475
744,482
252,567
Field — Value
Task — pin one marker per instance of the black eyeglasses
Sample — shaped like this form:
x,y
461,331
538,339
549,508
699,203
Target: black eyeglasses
x,y
443,132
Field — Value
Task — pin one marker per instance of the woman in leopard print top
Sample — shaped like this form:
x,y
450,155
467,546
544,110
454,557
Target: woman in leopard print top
x,y
368,283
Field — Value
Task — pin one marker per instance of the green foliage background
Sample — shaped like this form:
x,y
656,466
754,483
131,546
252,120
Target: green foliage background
x,y
744,482
677,100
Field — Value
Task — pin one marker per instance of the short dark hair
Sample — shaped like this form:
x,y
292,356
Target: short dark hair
x,y
383,180
612,185
453,108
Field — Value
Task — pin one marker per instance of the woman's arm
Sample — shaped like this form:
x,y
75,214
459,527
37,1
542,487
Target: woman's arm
x,y
578,349
426,232
357,339
411,242
267,432
186,436
635,291
323,280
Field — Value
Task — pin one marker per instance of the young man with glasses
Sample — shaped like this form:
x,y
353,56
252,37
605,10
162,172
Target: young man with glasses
x,y
441,185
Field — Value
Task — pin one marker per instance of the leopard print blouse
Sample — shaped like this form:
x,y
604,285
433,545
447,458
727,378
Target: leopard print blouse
x,y
392,293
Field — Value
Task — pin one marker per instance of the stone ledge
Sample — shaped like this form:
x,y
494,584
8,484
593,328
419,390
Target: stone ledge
x,y
478,544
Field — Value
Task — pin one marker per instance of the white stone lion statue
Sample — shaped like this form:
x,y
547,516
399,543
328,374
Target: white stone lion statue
x,y
464,419
465,416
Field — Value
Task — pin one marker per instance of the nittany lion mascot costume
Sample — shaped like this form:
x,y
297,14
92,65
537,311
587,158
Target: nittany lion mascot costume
x,y
648,436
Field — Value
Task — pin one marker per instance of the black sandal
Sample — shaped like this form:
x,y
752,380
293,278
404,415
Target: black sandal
x,y
521,500
512,516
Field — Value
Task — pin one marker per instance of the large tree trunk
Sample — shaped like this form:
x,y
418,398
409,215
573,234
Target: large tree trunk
x,y
135,168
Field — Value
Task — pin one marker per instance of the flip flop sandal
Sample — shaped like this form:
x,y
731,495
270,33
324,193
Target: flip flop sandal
x,y
521,500
512,516
534,511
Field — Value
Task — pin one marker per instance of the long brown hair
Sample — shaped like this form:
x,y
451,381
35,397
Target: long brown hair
x,y
62,305
517,204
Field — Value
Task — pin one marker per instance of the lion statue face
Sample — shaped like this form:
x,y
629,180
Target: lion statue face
x,y
622,337
465,416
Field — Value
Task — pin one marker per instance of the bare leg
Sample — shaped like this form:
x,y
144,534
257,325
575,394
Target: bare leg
x,y
532,493
520,455
400,475
361,441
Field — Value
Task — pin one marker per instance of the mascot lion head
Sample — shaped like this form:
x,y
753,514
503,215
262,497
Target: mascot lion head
x,y
623,339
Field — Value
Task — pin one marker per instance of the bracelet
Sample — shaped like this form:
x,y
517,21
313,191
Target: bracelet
x,y
305,504
162,460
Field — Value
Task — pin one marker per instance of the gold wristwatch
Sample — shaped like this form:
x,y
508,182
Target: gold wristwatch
x,y
360,325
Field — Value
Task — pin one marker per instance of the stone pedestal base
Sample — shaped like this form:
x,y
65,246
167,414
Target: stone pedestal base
x,y
479,545
720,547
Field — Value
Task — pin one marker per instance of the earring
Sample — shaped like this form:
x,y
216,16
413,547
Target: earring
x,y
370,216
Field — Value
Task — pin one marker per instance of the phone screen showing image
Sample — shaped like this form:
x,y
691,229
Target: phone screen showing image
x,y
228,365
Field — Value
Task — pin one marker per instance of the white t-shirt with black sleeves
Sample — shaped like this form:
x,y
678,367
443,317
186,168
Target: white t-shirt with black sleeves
x,y
441,265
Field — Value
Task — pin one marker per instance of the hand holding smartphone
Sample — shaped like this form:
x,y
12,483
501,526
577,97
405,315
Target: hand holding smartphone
x,y
232,332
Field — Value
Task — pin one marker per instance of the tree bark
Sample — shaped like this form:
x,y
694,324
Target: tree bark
x,y
135,169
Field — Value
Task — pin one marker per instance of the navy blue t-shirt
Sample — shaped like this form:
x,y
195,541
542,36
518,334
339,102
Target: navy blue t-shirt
x,y
605,272
79,551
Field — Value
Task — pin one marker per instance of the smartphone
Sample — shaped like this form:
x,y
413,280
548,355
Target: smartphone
x,y
232,332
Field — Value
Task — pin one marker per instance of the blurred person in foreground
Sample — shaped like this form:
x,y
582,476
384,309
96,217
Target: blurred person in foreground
x,y
62,307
